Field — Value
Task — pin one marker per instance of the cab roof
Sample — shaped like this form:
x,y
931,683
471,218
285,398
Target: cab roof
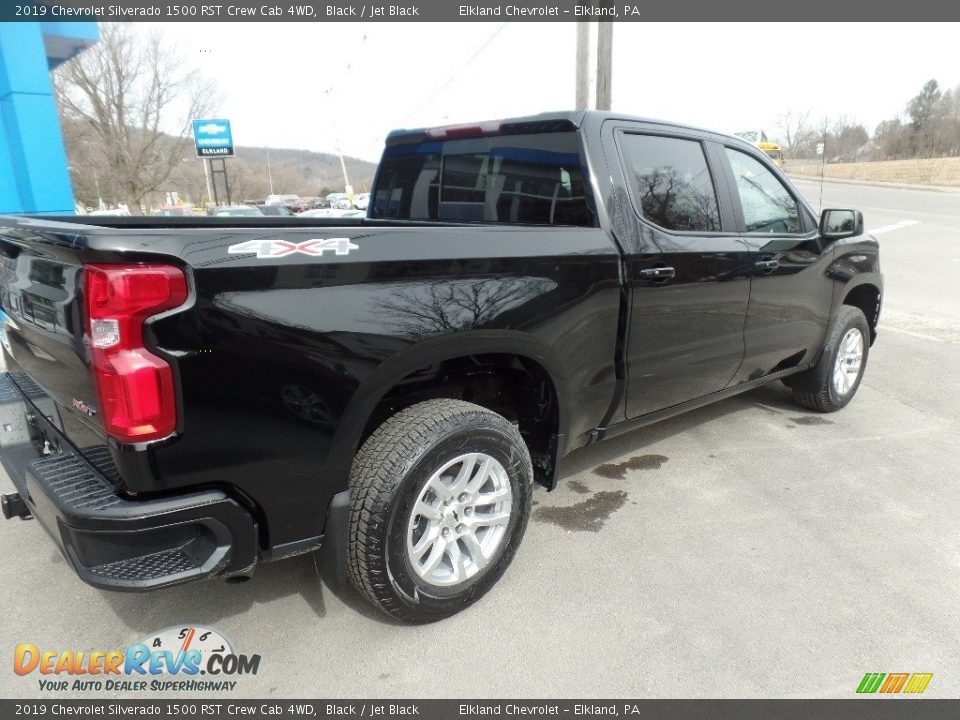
x,y
557,121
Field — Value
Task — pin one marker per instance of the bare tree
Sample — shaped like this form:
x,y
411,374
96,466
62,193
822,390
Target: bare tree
x,y
846,138
795,130
131,97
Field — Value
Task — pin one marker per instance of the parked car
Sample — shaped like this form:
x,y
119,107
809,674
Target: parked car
x,y
275,210
302,204
388,389
332,213
236,211
174,211
361,200
115,212
281,199
339,201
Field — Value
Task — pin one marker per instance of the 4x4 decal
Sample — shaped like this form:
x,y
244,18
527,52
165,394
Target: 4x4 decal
x,y
280,248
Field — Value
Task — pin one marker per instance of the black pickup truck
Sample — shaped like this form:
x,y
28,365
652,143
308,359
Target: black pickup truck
x,y
188,397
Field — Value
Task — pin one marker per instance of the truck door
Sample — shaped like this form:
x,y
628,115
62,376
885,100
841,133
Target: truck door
x,y
687,270
790,292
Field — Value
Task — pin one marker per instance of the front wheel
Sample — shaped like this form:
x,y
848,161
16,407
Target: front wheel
x,y
834,380
440,498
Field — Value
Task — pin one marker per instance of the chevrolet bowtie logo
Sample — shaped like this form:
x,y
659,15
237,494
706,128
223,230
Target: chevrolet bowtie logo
x,y
281,248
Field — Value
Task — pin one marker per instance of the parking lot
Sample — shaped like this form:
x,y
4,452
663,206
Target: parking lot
x,y
750,548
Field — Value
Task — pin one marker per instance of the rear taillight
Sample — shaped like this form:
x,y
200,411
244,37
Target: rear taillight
x,y
136,389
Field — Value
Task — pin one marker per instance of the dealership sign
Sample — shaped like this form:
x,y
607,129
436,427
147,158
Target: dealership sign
x,y
213,138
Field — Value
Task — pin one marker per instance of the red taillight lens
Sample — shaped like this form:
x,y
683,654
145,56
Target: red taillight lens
x,y
137,398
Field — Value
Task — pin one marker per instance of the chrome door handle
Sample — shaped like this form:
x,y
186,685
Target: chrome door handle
x,y
657,273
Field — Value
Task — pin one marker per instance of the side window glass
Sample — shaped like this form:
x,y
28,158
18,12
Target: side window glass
x,y
767,206
671,182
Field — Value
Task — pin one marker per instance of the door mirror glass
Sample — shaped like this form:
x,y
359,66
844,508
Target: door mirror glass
x,y
836,224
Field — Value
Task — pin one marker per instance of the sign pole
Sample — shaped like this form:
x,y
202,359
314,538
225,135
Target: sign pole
x,y
208,174
226,182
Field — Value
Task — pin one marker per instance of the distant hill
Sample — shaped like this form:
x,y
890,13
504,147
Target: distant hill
x,y
301,172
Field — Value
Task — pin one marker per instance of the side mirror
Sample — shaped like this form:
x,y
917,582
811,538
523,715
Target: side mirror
x,y
836,224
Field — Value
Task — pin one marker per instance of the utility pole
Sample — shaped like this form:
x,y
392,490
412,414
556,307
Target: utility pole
x,y
346,181
269,171
583,65
604,65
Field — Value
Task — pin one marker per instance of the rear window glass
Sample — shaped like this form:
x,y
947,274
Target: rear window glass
x,y
527,179
671,182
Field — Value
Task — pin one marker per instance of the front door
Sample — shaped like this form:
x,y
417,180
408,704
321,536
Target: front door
x,y
791,291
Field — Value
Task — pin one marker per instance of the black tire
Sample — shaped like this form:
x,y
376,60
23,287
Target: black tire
x,y
815,388
388,475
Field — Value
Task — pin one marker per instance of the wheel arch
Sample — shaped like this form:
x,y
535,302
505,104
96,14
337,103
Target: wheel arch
x,y
485,362
867,297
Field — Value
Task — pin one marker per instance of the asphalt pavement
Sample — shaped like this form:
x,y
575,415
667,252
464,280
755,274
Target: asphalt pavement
x,y
747,549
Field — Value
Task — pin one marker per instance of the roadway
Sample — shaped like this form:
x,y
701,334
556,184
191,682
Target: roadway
x,y
749,548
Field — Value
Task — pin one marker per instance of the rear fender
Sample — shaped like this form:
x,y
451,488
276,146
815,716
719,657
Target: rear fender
x,y
361,407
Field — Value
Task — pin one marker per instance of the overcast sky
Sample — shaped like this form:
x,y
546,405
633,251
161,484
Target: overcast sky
x,y
316,86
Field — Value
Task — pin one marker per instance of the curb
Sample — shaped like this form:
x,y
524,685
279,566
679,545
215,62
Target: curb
x,y
877,183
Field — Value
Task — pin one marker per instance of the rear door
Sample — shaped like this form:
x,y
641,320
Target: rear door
x,y
686,267
791,294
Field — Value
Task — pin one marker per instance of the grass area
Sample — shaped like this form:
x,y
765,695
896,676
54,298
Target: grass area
x,y
927,171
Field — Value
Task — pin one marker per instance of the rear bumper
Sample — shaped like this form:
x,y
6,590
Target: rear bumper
x,y
111,541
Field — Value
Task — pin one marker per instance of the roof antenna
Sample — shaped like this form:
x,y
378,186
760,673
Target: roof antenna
x,y
822,151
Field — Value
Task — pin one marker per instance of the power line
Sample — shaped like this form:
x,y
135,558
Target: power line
x,y
452,77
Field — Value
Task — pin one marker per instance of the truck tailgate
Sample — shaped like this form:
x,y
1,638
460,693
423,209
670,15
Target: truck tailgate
x,y
41,326
44,330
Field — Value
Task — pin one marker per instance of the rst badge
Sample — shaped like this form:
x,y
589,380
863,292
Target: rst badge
x,y
84,408
281,248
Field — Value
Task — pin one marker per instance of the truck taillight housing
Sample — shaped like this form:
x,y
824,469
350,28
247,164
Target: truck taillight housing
x,y
135,387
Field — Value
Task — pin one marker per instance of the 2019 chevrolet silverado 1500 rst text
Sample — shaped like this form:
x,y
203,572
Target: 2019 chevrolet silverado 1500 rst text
x,y
188,397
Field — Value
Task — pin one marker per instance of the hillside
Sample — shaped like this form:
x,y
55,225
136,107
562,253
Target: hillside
x,y
301,172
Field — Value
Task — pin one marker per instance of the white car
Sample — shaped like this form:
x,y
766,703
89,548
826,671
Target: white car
x,y
338,201
119,212
280,199
361,201
332,213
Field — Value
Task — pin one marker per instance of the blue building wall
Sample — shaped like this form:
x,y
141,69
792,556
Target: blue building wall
x,y
33,163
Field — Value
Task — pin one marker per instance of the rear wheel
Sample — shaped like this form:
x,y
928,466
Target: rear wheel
x,y
834,380
440,499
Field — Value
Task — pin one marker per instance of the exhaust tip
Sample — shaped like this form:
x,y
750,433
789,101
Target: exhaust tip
x,y
14,506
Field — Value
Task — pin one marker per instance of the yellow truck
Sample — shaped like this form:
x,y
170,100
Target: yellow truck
x,y
760,140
